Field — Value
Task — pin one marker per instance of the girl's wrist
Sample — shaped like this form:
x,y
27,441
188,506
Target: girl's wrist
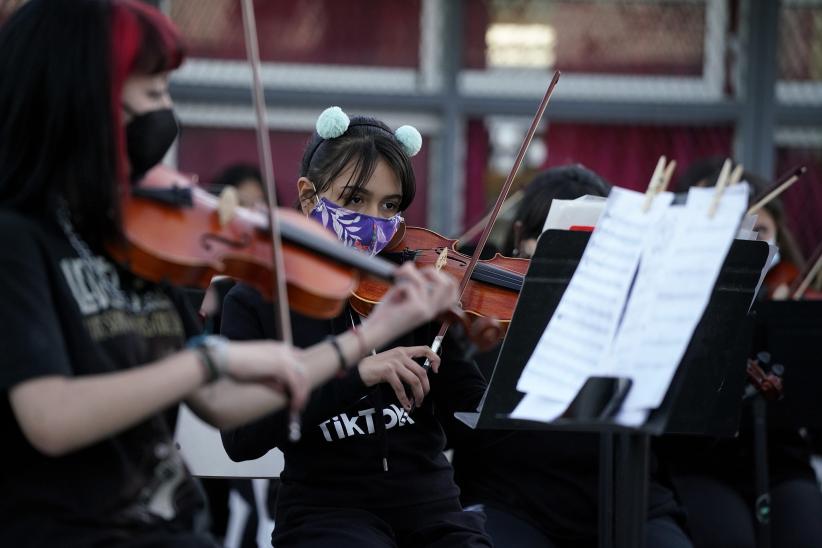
x,y
371,334
212,353
363,348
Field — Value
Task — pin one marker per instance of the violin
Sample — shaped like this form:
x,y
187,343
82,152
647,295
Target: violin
x,y
175,231
492,290
786,281
769,383
779,279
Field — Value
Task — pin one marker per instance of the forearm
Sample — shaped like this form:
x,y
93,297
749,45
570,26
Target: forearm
x,y
227,404
59,414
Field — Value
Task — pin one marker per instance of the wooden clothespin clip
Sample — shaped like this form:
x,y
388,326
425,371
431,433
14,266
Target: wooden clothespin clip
x,y
666,177
721,183
736,175
654,184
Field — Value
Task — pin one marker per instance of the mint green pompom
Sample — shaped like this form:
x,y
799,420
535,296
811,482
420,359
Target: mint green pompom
x,y
410,139
332,123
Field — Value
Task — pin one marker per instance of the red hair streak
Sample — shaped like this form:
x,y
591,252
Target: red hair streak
x,y
143,41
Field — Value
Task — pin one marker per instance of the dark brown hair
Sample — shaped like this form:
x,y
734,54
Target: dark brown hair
x,y
365,142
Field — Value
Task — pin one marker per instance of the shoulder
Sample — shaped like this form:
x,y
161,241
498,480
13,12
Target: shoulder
x,y
20,236
11,221
244,294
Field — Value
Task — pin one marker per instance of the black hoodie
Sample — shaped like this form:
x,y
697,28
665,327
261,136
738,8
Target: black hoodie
x,y
358,448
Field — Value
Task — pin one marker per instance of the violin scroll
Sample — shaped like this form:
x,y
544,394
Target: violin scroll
x,y
769,383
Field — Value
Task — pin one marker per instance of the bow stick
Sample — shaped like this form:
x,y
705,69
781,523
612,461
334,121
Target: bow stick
x,y
781,186
264,151
477,227
435,346
803,281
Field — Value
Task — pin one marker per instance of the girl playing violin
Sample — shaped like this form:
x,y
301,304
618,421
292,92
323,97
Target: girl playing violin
x,y
715,478
369,469
92,355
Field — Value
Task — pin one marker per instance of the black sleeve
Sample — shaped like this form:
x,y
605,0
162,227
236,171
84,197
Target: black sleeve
x,y
459,386
242,319
240,315
31,336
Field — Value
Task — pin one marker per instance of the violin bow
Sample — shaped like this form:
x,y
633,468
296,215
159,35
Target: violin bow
x,y
264,150
803,281
782,184
435,346
510,202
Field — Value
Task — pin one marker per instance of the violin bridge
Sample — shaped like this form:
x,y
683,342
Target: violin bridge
x,y
228,204
442,260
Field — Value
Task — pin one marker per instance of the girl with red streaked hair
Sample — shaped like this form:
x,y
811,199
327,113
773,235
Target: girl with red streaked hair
x,y
90,355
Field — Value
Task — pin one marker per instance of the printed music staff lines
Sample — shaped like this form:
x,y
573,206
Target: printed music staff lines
x,y
584,324
610,322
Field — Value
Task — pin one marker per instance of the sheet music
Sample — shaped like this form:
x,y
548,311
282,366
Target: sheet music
x,y
676,278
583,326
534,407
582,211
747,230
772,251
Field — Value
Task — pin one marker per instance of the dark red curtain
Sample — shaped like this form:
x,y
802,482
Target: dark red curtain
x,y
803,201
626,155
476,166
365,32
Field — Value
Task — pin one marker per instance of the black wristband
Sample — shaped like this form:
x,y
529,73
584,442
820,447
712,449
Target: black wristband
x,y
336,345
208,363
211,352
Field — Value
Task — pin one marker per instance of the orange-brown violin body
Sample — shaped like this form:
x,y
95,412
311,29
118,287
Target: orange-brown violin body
x,y
188,246
492,292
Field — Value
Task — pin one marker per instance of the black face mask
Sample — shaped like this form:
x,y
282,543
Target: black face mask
x,y
148,137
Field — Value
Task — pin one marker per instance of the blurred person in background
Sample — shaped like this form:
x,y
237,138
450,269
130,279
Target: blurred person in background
x,y
248,181
715,477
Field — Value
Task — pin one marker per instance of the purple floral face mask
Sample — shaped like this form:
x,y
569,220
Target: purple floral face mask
x,y
363,232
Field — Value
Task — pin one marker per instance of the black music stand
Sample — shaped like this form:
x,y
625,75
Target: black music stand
x,y
703,398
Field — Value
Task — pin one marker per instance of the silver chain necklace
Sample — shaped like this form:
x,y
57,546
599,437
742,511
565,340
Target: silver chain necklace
x,y
84,252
